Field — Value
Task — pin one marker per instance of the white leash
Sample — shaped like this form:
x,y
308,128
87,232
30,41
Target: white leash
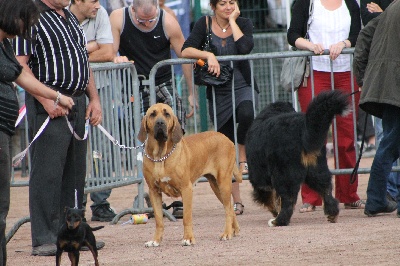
x,y
18,158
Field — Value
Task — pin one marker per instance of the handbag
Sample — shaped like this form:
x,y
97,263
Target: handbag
x,y
201,75
295,69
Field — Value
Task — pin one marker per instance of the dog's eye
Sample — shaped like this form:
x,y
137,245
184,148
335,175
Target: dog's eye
x,y
167,114
153,114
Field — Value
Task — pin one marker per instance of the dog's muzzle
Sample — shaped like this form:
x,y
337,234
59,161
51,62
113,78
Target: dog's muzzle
x,y
160,130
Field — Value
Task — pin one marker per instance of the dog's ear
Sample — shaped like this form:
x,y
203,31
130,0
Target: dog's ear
x,y
143,132
176,131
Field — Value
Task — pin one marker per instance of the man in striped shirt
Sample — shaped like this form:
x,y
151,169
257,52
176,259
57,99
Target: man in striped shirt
x,y
57,56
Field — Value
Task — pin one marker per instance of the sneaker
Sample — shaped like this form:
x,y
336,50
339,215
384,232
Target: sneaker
x,y
369,151
390,207
359,204
44,250
99,245
103,213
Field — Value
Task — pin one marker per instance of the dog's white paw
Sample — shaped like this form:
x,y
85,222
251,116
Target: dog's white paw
x,y
270,223
186,242
151,244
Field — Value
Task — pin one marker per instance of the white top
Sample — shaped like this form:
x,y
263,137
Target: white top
x,y
329,27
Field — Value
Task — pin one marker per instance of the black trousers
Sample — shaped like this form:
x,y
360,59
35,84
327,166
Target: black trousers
x,y
5,176
58,168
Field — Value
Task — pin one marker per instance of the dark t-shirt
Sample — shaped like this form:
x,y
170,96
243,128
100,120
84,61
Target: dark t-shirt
x,y
10,69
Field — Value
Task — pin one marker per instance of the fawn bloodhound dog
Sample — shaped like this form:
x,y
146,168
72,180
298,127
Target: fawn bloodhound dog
x,y
172,163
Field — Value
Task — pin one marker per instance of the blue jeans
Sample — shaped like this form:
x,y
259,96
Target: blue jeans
x,y
99,198
393,185
387,152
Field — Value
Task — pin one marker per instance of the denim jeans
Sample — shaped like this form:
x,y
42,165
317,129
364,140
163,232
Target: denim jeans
x,y
393,185
387,152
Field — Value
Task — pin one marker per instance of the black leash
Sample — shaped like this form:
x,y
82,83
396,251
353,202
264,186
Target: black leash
x,y
357,165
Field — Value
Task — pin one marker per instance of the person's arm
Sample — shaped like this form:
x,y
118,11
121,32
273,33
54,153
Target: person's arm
x,y
29,83
101,49
176,39
366,14
245,43
93,110
116,18
48,104
355,25
362,48
100,52
298,28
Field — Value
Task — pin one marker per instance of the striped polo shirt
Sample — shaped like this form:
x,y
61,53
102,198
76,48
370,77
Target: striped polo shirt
x,y
58,54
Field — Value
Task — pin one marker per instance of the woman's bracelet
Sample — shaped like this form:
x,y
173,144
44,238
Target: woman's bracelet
x,y
57,99
345,45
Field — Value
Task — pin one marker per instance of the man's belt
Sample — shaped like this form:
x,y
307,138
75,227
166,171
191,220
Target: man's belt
x,y
72,93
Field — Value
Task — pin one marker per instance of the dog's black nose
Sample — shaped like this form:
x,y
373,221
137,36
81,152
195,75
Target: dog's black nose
x,y
160,122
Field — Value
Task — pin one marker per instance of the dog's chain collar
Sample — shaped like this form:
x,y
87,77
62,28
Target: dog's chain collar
x,y
162,158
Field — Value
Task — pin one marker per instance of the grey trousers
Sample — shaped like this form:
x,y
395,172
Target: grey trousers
x,y
58,168
5,175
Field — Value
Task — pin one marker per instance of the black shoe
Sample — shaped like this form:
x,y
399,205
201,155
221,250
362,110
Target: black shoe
x,y
390,198
390,207
103,213
99,245
177,209
44,250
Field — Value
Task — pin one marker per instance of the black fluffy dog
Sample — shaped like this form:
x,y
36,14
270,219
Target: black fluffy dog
x,y
74,234
285,149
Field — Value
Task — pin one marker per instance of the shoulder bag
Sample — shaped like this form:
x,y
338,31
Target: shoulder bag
x,y
295,68
201,74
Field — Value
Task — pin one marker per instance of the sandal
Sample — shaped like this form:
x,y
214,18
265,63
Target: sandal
x,y
245,170
307,207
238,208
359,204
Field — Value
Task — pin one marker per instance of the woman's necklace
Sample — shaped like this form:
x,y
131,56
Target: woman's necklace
x,y
223,30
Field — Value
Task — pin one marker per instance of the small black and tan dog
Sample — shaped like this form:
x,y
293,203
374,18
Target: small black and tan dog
x,y
74,234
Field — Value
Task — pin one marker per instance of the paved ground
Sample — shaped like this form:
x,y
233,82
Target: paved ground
x,y
308,240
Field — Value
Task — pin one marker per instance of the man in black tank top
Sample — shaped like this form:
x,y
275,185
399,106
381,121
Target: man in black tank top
x,y
145,34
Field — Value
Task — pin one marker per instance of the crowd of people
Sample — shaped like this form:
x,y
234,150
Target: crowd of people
x,y
145,32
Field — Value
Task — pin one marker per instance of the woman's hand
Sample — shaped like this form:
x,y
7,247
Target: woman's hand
x,y
373,8
336,49
235,14
192,100
213,65
317,48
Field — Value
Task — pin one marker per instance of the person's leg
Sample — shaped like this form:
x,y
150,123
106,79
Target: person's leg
x,y
165,94
387,153
310,198
346,192
5,175
393,179
48,158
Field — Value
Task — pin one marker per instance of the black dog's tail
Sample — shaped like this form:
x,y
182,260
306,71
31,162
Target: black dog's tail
x,y
319,116
96,228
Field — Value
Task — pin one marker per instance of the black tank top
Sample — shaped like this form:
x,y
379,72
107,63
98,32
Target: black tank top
x,y
146,48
